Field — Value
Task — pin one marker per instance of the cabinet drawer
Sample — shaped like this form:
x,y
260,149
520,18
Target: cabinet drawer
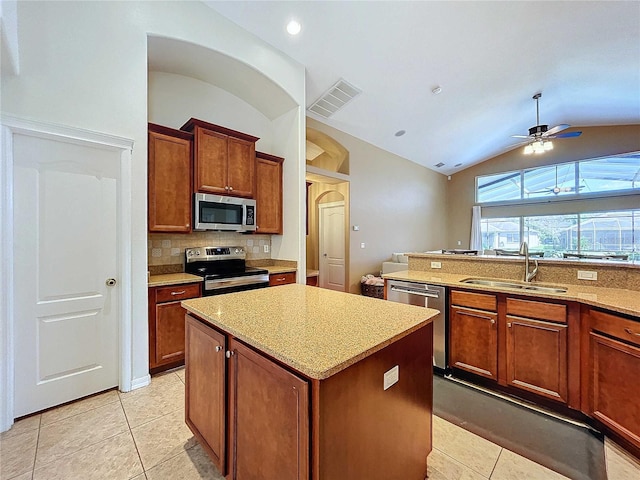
x,y
618,327
177,292
554,312
482,301
282,278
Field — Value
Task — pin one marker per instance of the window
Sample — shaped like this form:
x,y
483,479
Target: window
x,y
618,173
603,234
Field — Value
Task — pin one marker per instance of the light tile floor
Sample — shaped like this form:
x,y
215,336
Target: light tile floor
x,y
142,435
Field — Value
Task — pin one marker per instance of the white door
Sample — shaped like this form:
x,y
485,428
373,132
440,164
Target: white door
x,y
65,228
332,246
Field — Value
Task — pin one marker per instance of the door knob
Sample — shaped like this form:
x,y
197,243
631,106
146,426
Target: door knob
x,y
110,282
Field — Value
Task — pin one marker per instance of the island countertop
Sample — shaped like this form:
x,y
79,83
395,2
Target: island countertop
x,y
316,331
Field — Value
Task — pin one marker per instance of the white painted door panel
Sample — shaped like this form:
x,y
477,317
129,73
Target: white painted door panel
x,y
66,318
332,247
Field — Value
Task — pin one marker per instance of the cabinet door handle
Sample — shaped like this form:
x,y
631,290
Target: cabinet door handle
x,y
492,321
181,292
226,187
230,353
509,324
631,332
230,189
218,348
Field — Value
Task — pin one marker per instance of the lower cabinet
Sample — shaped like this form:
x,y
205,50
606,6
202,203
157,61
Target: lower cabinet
x,y
269,411
206,394
166,324
513,341
265,425
614,370
473,334
276,279
537,347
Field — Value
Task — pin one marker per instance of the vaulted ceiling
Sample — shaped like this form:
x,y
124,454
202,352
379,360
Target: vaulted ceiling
x,y
488,58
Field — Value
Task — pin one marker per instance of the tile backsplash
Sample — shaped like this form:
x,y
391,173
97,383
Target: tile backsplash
x,y
168,248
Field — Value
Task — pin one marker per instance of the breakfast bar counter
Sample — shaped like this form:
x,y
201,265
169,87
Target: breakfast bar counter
x,y
298,382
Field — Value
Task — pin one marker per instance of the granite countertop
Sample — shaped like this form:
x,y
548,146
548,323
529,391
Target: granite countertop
x,y
172,279
615,299
279,269
316,331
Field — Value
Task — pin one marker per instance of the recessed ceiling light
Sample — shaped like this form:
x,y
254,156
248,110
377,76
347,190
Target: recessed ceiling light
x,y
294,27
436,90
399,133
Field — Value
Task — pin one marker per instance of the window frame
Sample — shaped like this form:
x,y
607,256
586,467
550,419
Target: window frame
x,y
576,195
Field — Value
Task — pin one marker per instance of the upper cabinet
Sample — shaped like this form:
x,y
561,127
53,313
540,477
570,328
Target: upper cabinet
x,y
170,170
224,159
269,193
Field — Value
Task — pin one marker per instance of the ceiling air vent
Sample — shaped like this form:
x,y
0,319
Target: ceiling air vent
x,y
438,165
334,99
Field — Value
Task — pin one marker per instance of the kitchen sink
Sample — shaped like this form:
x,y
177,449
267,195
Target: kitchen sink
x,y
515,285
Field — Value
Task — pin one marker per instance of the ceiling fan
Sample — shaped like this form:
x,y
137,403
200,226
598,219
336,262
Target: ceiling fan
x,y
539,138
556,189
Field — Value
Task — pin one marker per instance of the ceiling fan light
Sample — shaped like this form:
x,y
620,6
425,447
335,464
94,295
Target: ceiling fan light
x,y
538,147
528,150
548,145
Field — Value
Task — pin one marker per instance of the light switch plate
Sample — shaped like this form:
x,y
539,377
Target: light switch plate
x,y
266,248
436,264
391,377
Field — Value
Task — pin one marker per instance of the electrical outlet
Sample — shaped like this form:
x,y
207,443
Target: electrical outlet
x,y
436,264
459,242
391,377
587,275
362,245
266,248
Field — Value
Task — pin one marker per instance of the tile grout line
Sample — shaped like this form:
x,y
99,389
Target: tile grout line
x,y
496,464
35,453
135,444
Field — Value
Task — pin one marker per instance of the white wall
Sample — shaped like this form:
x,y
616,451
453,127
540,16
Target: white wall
x,y
84,64
174,99
398,205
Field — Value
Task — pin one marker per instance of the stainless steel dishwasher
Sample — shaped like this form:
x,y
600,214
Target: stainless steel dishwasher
x,y
425,295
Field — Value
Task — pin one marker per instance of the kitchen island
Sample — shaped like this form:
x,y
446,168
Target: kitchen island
x,y
299,382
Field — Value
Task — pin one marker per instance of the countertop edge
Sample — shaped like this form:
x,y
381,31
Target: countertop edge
x,y
168,279
569,295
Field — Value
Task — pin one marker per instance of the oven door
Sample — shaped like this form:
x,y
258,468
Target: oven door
x,y
216,212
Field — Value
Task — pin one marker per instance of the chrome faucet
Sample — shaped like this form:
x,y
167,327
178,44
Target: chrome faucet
x,y
528,276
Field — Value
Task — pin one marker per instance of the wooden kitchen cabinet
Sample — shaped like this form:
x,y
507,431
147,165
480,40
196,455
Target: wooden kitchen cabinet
x,y
205,389
473,333
613,372
517,342
224,159
269,193
537,347
166,324
262,397
276,279
170,170
266,398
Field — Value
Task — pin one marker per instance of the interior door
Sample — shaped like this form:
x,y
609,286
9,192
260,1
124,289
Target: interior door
x,y
66,294
332,246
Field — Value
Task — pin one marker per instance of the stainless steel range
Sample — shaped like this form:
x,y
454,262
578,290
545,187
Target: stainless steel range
x,y
224,270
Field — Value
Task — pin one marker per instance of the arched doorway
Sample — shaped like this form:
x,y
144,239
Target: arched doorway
x,y
328,210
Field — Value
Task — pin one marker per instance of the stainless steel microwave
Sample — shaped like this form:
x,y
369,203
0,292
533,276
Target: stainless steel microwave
x,y
217,212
